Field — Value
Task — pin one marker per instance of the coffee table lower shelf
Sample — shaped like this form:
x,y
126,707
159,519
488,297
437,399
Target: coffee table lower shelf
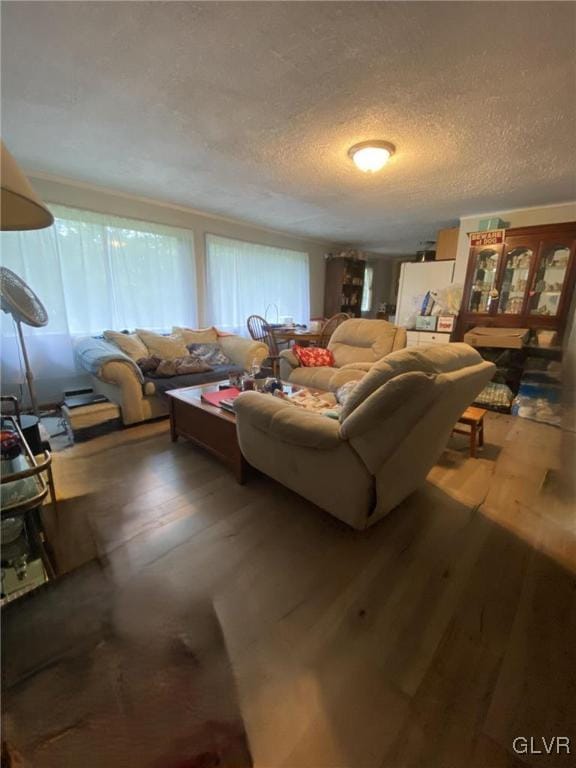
x,y
209,427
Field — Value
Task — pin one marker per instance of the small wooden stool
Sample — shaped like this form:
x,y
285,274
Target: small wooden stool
x,y
474,418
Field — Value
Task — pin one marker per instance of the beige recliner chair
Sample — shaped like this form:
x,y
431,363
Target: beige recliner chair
x,y
356,345
392,429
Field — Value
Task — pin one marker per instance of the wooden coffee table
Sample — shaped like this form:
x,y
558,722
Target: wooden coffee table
x,y
205,425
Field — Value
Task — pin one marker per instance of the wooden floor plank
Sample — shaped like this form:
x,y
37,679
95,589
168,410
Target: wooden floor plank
x,y
429,641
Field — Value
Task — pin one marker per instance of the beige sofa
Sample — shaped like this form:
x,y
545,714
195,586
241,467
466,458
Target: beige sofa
x,y
356,345
392,429
116,375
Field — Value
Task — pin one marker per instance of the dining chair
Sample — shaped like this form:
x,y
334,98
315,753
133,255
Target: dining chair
x,y
330,326
259,330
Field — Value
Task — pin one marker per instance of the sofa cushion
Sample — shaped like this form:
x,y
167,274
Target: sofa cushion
x,y
361,340
313,357
129,343
435,358
164,347
148,364
196,336
324,377
219,373
312,377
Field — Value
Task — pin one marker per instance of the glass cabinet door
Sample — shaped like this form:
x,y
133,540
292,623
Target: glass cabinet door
x,y
515,275
548,280
483,292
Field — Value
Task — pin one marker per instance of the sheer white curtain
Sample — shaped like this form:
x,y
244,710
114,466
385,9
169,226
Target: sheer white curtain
x,y
245,279
94,272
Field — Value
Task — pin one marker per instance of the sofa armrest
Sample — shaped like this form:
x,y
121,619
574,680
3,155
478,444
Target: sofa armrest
x,y
400,339
243,352
287,423
95,355
120,384
120,373
288,362
356,367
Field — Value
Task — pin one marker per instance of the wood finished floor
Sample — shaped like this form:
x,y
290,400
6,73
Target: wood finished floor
x,y
429,641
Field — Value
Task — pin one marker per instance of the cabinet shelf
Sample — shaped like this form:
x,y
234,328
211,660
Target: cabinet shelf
x,y
344,286
542,256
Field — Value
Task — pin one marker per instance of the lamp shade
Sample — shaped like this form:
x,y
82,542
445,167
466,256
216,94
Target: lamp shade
x,y
21,208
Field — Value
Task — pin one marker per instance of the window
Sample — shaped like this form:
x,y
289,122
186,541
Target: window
x,y
367,293
246,279
94,272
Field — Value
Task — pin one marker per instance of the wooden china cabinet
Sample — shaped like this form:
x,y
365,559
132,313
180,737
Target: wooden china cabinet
x,y
525,282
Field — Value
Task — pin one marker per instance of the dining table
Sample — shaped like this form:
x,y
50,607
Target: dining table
x,y
302,336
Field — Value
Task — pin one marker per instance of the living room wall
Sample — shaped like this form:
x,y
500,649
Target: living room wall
x,y
92,198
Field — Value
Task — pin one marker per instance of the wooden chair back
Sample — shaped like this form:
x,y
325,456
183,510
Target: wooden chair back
x,y
330,326
259,330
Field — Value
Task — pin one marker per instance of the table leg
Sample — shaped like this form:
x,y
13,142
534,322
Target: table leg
x,y
239,469
481,434
173,432
473,441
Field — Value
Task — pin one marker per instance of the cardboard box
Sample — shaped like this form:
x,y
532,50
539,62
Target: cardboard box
x,y
90,421
507,338
546,338
447,244
486,224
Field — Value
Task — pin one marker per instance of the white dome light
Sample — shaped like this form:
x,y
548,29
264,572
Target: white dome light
x,y
371,156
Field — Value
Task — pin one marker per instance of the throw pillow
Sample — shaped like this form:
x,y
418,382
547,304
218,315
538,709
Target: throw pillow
x,y
129,343
199,336
209,353
148,364
313,357
164,347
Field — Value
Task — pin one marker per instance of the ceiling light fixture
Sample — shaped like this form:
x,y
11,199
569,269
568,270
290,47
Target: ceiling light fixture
x,y
371,156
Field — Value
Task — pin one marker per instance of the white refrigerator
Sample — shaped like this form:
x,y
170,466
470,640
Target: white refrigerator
x,y
416,278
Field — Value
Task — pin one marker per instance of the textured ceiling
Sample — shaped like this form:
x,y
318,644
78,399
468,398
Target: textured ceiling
x,y
247,109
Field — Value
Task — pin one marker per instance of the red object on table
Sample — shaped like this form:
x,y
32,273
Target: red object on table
x,y
214,398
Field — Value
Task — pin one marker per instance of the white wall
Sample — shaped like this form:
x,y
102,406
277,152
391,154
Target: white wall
x,y
520,217
106,201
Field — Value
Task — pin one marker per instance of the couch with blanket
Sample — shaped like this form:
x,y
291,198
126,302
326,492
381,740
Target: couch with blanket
x,y
392,428
135,370
355,346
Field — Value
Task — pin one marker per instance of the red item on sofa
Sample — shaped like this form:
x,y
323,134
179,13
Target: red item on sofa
x,y
313,357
